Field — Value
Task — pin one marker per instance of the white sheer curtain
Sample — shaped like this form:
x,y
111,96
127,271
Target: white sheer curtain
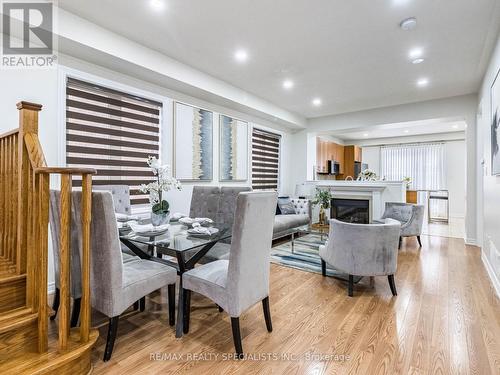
x,y
424,163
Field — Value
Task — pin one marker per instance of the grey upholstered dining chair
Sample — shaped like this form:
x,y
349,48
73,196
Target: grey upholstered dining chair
x,y
209,199
116,285
362,250
121,197
205,202
411,217
243,280
75,280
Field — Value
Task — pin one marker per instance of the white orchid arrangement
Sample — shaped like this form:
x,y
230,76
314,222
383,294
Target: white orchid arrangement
x,y
164,182
368,175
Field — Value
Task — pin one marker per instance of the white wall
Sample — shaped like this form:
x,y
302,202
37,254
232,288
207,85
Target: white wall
x,y
371,156
455,156
488,185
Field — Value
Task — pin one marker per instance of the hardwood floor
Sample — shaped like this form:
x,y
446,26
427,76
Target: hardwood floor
x,y
445,320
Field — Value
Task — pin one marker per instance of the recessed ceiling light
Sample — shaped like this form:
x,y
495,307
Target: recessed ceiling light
x,y
422,82
418,61
365,135
400,2
316,102
455,126
406,131
288,84
416,53
241,55
408,24
157,4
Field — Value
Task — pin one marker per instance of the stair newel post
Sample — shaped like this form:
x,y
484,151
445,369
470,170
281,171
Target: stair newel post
x,y
64,267
25,262
85,319
28,123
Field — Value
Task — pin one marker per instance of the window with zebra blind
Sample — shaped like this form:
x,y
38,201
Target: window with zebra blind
x,y
265,160
113,132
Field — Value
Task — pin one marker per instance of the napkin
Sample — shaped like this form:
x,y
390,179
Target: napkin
x,y
203,230
177,215
144,228
124,217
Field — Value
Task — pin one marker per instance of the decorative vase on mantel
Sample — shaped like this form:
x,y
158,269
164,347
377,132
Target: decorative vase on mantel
x,y
322,215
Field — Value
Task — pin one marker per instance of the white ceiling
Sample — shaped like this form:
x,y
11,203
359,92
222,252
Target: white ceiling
x,y
404,129
351,53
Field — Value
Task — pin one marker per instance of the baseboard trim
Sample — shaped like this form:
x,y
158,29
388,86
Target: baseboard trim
x,y
471,241
491,273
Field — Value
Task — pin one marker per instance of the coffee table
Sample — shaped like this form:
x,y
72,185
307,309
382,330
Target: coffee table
x,y
179,244
320,230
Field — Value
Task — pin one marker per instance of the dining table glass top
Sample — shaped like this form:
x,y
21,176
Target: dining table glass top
x,y
177,237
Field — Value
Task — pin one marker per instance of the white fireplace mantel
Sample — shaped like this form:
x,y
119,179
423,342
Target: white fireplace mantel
x,y
378,192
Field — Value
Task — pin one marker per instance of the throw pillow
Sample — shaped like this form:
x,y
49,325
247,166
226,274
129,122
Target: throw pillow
x,y
286,206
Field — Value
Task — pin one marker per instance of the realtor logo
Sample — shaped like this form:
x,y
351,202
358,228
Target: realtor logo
x,y
27,34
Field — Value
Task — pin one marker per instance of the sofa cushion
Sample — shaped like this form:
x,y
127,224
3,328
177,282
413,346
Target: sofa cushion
x,y
286,206
285,222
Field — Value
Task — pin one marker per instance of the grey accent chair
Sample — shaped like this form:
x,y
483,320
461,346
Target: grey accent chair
x,y
243,280
411,217
362,250
217,203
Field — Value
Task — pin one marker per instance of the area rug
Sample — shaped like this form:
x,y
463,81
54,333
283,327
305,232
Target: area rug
x,y
305,256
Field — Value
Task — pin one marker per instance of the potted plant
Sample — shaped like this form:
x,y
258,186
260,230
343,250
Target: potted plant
x,y
407,181
160,213
323,197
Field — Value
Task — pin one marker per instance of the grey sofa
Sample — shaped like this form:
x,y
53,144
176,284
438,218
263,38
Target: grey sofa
x,y
241,281
362,250
302,216
411,217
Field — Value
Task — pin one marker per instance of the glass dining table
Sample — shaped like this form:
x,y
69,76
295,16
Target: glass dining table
x,y
176,248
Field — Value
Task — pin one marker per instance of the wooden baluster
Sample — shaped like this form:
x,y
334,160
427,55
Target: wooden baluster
x,y
42,211
3,182
85,303
64,268
11,228
2,190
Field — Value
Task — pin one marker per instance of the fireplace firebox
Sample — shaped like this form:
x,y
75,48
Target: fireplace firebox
x,y
351,210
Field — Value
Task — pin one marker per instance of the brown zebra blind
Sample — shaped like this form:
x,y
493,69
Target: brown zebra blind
x,y
113,132
265,160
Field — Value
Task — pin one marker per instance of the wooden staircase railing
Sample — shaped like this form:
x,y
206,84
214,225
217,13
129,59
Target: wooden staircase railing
x,y
24,219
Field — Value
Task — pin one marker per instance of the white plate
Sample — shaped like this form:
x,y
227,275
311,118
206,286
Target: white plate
x,y
193,232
